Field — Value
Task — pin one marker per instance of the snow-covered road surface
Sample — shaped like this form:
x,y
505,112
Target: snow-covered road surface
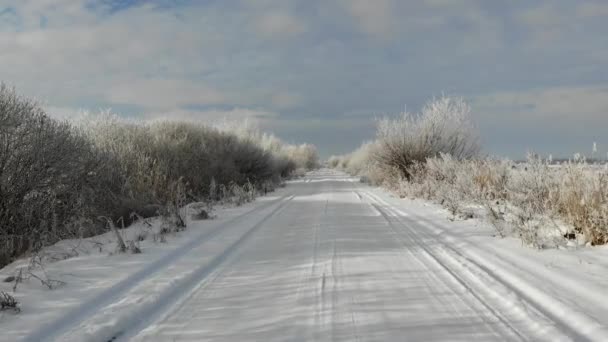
x,y
334,260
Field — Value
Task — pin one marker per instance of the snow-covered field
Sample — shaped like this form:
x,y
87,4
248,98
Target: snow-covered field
x,y
326,258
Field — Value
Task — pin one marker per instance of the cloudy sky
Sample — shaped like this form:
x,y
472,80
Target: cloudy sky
x,y
535,72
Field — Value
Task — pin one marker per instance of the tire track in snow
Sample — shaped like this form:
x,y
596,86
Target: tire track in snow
x,y
576,325
194,281
335,281
454,274
311,279
90,308
318,280
428,263
460,281
431,261
526,268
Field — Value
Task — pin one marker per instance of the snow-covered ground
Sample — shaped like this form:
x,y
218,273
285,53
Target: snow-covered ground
x,y
326,258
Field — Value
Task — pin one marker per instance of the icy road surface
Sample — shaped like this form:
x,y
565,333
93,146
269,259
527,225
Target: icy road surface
x,y
334,260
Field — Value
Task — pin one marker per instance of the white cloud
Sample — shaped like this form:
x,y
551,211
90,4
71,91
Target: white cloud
x,y
64,113
278,25
373,17
552,23
213,116
86,57
592,9
545,23
307,57
163,94
139,56
285,100
587,104
236,115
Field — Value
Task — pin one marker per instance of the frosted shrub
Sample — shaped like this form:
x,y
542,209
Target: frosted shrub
x,y
529,198
443,126
47,176
442,178
58,178
361,161
453,179
535,187
491,178
304,156
333,162
240,195
532,196
418,185
583,200
287,158
434,155
152,156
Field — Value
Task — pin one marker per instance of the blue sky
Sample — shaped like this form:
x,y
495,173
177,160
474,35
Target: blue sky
x,y
534,72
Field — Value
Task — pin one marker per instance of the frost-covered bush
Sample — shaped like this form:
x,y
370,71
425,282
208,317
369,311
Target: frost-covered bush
x,y
535,200
153,156
532,195
435,155
58,178
443,126
47,176
362,163
442,178
333,162
403,144
287,157
304,156
583,200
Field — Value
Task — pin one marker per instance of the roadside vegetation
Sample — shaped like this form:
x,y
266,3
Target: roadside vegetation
x,y
65,180
435,155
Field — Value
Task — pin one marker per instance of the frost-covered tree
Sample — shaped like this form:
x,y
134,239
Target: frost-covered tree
x,y
443,126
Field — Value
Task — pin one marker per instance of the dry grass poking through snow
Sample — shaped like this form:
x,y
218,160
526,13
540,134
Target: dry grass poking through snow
x,y
8,302
434,155
541,203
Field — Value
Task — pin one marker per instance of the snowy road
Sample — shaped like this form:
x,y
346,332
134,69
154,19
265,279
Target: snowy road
x,y
333,260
